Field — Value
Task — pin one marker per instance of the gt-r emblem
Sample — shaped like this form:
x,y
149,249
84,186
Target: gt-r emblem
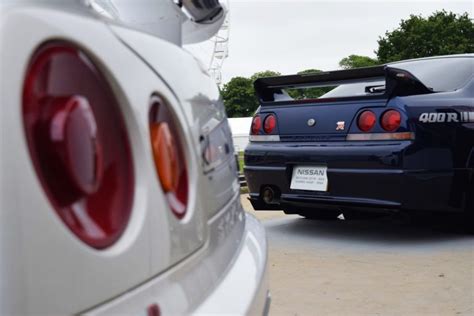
x,y
311,122
340,126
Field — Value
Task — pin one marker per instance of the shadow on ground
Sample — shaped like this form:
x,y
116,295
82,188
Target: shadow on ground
x,y
385,231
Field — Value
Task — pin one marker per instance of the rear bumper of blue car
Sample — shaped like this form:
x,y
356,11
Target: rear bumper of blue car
x,y
390,176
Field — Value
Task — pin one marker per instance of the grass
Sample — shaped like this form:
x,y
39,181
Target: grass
x,y
241,168
244,190
241,161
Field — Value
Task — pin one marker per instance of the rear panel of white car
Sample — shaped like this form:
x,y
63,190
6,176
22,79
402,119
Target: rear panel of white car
x,y
159,258
48,257
203,109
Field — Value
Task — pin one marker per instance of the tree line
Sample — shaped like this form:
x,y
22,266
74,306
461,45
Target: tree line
x,y
442,33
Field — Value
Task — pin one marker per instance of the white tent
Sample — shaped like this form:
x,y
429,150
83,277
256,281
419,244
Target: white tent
x,y
240,127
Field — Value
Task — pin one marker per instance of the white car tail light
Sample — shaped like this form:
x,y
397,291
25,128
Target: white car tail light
x,y
169,156
78,143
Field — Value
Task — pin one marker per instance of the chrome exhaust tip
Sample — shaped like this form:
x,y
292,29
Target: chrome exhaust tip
x,y
268,195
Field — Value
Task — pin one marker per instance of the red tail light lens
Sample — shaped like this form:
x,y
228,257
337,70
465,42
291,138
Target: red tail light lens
x,y
269,124
391,120
366,121
256,125
78,143
153,310
169,156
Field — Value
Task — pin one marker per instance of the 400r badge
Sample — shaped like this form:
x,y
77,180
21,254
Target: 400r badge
x,y
449,117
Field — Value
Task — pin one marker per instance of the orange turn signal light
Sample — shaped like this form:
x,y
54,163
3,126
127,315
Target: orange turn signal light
x,y
168,155
165,154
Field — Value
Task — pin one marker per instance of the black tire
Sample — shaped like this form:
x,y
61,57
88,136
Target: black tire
x,y
321,215
470,224
357,215
469,211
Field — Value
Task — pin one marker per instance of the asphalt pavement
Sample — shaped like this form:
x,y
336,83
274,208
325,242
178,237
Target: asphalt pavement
x,y
371,267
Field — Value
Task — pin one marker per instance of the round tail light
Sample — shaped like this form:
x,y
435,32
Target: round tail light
x,y
256,125
269,124
169,156
78,143
366,121
391,120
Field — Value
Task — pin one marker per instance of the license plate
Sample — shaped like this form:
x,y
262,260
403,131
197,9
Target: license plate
x,y
312,178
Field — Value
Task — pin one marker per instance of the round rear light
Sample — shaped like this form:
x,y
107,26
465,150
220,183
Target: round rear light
x,y
269,124
169,156
366,121
256,125
78,143
391,120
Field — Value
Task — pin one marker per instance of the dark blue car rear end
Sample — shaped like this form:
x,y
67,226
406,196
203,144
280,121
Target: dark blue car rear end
x,y
416,154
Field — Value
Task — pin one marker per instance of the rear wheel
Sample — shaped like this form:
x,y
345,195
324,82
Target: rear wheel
x,y
470,219
468,216
321,215
360,215
469,212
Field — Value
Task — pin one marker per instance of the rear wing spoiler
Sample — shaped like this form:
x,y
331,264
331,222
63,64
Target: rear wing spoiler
x,y
398,82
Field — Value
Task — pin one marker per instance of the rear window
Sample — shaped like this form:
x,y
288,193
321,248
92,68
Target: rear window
x,y
438,74
441,74
357,89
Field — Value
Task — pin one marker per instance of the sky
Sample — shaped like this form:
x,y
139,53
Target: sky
x,y
292,35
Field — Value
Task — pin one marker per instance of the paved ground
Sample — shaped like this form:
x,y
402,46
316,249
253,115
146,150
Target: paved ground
x,y
382,267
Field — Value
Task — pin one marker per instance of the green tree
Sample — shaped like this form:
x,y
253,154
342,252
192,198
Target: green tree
x,y
357,61
441,33
239,97
263,74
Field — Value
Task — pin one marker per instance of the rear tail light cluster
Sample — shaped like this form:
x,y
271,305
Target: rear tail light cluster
x,y
256,125
78,143
169,156
390,121
264,128
366,121
269,124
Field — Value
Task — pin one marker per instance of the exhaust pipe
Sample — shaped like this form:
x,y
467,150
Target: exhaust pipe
x,y
268,195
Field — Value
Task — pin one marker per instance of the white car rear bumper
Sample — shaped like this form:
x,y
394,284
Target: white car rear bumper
x,y
228,276
244,289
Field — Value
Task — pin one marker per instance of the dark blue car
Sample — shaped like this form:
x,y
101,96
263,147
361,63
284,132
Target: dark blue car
x,y
385,139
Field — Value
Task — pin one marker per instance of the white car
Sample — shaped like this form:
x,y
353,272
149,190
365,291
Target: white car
x,y
119,189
